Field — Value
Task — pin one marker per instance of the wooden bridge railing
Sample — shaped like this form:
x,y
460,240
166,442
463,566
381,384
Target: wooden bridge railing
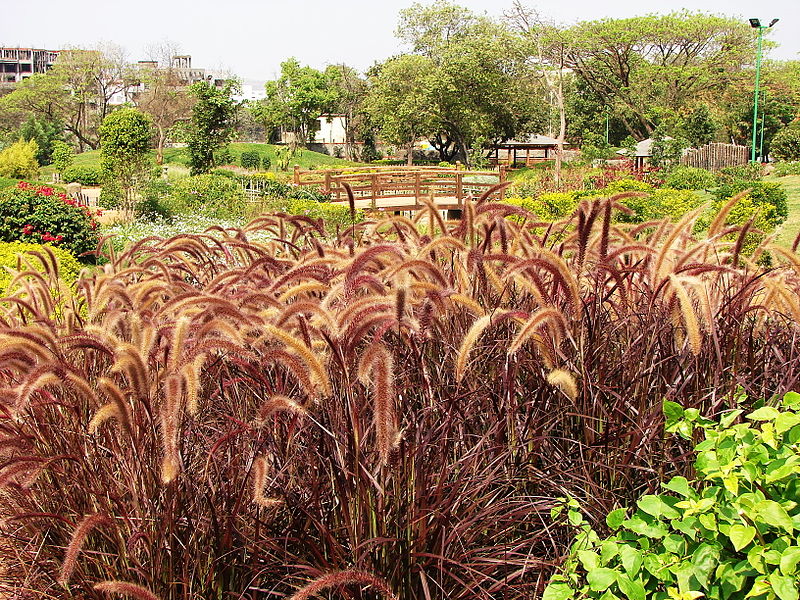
x,y
451,185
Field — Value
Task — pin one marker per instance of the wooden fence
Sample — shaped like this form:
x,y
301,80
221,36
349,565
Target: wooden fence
x,y
716,156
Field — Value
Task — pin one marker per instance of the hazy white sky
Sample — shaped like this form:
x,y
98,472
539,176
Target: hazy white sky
x,y
251,38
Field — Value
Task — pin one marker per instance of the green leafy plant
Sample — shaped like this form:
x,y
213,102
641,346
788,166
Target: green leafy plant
x,y
83,174
730,533
18,161
691,178
746,172
251,160
41,214
11,254
209,194
767,197
786,143
211,126
125,160
336,217
782,169
62,156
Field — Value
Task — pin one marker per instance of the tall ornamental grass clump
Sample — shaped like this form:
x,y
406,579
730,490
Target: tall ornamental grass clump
x,y
392,412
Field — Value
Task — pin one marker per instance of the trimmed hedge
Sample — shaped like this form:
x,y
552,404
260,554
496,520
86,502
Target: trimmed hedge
x,y
83,174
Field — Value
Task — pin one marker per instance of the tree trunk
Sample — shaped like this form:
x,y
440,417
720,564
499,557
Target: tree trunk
x,y
160,146
410,155
562,127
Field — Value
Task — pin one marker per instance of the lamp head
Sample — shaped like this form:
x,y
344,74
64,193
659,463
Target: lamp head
x,y
771,23
755,23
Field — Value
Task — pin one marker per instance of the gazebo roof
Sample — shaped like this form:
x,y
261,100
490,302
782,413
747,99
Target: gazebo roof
x,y
644,148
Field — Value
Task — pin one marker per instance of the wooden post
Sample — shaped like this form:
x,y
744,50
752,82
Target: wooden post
x,y
374,185
459,187
417,187
297,174
327,189
503,177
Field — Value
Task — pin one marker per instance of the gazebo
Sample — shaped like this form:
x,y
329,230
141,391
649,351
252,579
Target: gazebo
x,y
643,151
534,148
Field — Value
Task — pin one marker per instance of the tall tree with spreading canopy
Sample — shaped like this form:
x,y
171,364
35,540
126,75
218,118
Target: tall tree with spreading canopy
x,y
296,100
77,91
167,101
399,101
644,67
476,92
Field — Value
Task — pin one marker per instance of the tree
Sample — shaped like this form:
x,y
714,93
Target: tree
x,y
350,90
78,91
699,126
475,88
786,143
166,100
211,125
124,154
645,67
296,100
544,51
18,161
62,156
399,101
45,132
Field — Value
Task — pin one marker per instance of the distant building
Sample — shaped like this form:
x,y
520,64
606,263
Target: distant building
x,y
17,64
332,130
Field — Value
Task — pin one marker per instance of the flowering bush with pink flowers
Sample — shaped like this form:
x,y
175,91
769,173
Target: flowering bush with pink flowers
x,y
41,214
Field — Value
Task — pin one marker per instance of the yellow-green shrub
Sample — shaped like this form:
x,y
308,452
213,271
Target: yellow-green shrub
x,y
18,161
549,206
11,252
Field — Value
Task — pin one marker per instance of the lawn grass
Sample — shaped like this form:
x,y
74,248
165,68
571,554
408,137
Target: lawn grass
x,y
180,156
791,227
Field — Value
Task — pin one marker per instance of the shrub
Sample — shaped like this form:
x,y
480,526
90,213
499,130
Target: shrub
x,y
40,214
767,197
336,216
786,143
251,160
209,194
691,178
550,206
18,161
266,163
664,203
224,156
125,161
730,533
11,252
63,155
83,174
747,172
782,169
155,202
627,185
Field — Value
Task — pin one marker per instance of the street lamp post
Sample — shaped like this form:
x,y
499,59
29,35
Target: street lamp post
x,y
756,24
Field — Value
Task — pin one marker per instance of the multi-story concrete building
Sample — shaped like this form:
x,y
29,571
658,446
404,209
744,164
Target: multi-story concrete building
x,y
17,64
